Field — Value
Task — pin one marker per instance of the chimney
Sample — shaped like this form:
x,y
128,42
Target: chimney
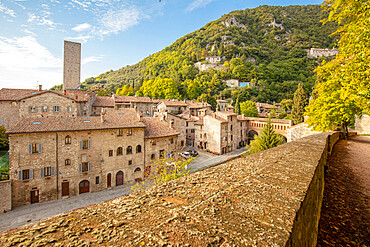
x,y
40,87
102,115
171,124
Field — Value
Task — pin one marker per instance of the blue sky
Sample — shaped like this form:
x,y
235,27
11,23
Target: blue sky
x,y
113,33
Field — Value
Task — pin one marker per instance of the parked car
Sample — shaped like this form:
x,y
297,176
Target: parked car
x,y
193,153
186,155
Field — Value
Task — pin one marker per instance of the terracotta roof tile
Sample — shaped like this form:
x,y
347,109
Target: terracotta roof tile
x,y
114,119
120,98
157,128
174,103
16,94
104,101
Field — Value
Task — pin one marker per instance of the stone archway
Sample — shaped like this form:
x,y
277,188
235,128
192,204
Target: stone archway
x,y
285,140
119,178
251,135
84,187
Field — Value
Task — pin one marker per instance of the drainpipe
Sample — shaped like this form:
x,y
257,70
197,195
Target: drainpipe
x,y
56,164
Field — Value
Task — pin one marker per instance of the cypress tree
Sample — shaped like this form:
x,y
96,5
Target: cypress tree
x,y
267,139
299,103
237,106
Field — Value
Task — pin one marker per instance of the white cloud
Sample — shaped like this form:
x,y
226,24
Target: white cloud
x,y
91,59
81,38
29,32
41,20
197,4
7,11
81,27
24,61
115,21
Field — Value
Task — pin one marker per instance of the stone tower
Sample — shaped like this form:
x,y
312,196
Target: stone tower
x,y
72,65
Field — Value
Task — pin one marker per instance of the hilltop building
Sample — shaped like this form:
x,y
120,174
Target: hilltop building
x,y
319,52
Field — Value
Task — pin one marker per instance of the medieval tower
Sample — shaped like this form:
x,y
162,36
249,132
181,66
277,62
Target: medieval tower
x,y
72,65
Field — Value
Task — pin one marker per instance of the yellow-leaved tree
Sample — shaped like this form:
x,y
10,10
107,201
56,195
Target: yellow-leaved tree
x,y
343,86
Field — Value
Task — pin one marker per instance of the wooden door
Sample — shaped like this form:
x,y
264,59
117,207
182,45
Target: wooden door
x,y
84,186
109,180
119,178
65,188
34,196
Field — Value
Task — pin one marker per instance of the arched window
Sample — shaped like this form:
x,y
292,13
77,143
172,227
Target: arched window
x,y
138,149
129,150
153,156
67,162
68,140
137,169
119,151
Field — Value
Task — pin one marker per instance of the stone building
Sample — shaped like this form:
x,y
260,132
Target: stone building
x,y
320,52
143,104
213,59
171,106
57,157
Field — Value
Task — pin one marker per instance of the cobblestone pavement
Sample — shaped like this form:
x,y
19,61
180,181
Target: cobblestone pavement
x,y
33,213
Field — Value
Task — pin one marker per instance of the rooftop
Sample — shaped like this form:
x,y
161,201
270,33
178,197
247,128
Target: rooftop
x,y
104,101
125,99
114,119
157,128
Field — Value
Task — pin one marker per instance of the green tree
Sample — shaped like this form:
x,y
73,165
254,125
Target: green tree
x,y
4,142
237,106
343,86
267,139
102,93
209,99
126,90
286,104
299,103
57,87
249,108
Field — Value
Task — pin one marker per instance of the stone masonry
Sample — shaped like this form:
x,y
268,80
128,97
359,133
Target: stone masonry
x,y
72,65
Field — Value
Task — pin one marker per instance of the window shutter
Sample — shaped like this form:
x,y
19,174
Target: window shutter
x,y
42,108
35,108
29,108
88,144
20,175
47,109
53,171
80,168
81,145
31,173
89,166
40,148
30,148
42,172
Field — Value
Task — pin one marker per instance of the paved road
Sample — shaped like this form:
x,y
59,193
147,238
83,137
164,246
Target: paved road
x,y
30,214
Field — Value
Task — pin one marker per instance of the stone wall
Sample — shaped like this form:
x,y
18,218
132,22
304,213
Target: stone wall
x,y
5,196
9,113
72,65
272,198
299,131
363,125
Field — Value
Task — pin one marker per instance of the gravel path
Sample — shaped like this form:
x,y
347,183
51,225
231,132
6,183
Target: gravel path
x,y
345,215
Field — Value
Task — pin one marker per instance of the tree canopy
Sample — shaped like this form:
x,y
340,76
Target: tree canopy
x,y
343,86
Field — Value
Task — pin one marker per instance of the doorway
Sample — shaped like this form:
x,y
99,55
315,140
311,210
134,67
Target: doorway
x,y
35,196
65,188
109,180
84,187
119,178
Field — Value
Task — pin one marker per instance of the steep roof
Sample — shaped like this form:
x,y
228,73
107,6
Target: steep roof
x,y
16,94
157,128
104,101
114,119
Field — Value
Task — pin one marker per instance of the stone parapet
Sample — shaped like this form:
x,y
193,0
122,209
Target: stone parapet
x,y
272,198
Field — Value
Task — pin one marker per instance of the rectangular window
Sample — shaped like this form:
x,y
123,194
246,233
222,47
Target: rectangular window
x,y
56,108
231,137
161,153
67,162
97,180
110,153
47,171
85,167
231,127
34,148
129,132
193,131
26,174
32,108
85,144
154,142
171,140
120,133
44,108
187,124
130,162
69,108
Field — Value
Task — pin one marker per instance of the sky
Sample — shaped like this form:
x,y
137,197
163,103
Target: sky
x,y
113,33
